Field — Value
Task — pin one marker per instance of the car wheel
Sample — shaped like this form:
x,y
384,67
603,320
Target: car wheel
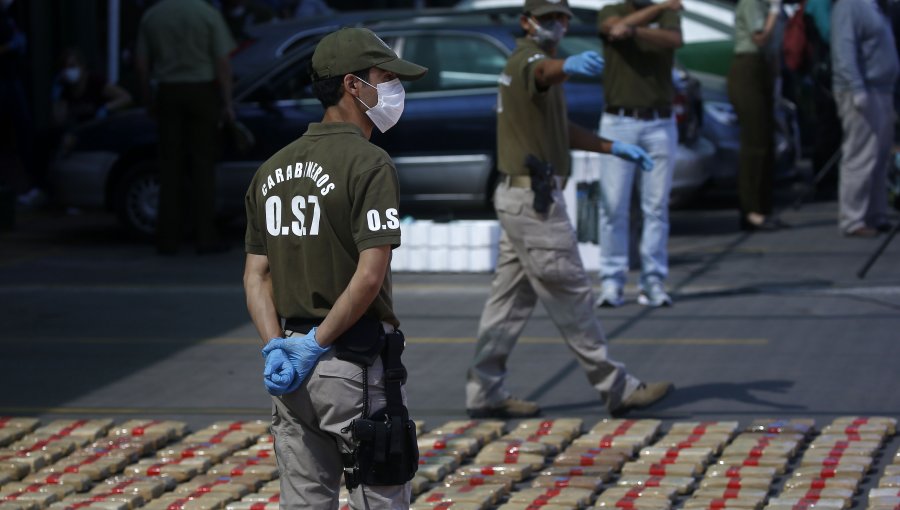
x,y
138,199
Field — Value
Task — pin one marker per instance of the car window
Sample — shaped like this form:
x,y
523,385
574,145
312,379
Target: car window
x,y
454,61
291,82
572,44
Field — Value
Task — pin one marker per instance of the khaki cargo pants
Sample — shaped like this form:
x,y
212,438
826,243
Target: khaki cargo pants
x,y
539,260
308,439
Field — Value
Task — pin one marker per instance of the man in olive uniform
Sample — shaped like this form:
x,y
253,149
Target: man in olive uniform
x,y
539,256
322,218
184,45
640,39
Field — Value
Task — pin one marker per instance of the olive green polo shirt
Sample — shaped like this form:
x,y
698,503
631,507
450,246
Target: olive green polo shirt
x,y
530,120
749,18
638,74
313,207
182,40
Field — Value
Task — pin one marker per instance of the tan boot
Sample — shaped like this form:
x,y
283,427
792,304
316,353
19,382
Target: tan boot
x,y
644,395
510,408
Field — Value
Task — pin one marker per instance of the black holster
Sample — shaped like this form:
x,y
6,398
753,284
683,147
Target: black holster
x,y
541,183
385,447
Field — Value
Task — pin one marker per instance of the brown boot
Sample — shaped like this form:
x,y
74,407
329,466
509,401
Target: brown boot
x,y
645,395
510,408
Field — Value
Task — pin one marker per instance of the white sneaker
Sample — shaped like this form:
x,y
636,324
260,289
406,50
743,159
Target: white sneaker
x,y
654,294
610,295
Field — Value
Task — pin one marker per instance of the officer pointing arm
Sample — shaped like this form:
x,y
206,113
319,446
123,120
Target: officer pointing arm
x,y
552,71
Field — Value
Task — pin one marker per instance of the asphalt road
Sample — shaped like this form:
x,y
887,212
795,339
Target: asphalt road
x,y
764,325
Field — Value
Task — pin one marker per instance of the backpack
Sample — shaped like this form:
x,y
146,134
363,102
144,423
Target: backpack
x,y
796,47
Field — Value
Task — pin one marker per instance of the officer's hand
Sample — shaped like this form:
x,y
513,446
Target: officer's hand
x,y
630,152
860,100
279,375
303,352
588,63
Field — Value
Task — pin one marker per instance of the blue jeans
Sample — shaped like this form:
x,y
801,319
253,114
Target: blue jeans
x,y
659,138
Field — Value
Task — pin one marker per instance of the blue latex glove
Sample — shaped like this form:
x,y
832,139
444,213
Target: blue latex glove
x,y
279,375
303,352
587,63
102,113
630,152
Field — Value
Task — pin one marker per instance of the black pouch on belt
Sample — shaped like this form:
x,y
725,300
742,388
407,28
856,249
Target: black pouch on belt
x,y
361,343
541,183
387,452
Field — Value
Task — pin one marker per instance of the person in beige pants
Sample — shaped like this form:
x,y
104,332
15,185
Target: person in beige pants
x,y
309,423
538,253
322,219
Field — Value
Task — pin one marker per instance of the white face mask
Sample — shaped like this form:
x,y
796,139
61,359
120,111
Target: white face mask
x,y
386,113
550,33
71,74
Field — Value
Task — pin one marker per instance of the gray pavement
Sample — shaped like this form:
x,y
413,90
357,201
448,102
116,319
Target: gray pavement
x,y
764,325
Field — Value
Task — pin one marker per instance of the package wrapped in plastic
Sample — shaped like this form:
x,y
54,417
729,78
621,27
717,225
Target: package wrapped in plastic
x,y
578,498
681,484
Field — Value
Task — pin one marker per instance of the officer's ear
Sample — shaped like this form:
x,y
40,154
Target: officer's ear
x,y
351,85
524,22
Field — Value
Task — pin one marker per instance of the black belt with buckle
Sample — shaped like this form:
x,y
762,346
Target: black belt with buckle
x,y
640,113
524,181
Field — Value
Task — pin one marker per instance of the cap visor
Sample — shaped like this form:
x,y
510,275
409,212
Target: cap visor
x,y
403,69
540,11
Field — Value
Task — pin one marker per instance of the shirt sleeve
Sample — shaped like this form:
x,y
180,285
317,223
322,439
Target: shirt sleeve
x,y
605,13
670,20
375,216
845,65
525,70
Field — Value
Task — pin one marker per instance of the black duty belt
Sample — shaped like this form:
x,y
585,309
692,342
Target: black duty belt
x,y
524,181
640,113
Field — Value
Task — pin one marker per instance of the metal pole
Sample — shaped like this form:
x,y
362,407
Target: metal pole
x,y
112,40
865,269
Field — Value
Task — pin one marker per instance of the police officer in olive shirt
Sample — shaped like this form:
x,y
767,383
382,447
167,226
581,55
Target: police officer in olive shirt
x,y
322,218
539,257
184,45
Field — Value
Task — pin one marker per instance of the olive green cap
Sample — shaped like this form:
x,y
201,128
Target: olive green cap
x,y
541,7
356,49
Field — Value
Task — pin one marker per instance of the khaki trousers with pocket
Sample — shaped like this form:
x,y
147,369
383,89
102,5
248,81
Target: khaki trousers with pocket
x,y
538,260
308,438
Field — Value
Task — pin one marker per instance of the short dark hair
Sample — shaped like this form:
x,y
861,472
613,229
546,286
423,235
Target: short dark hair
x,y
330,90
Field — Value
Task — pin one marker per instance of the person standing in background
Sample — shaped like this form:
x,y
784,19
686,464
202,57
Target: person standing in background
x,y
865,68
80,94
751,89
640,39
184,45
